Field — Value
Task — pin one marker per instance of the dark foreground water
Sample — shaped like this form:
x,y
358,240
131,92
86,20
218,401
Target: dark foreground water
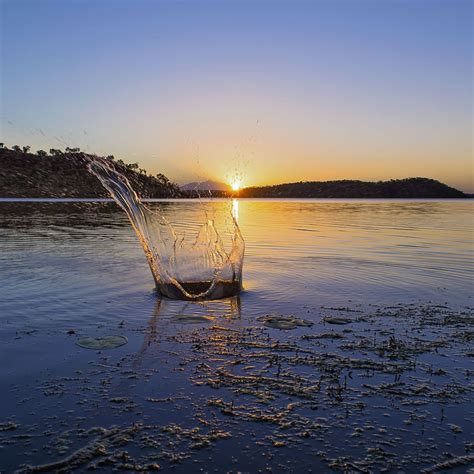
x,y
350,348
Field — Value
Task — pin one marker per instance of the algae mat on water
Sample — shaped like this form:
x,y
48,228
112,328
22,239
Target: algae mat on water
x,y
99,343
283,322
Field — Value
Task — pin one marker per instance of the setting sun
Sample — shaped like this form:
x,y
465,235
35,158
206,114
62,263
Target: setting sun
x,y
236,185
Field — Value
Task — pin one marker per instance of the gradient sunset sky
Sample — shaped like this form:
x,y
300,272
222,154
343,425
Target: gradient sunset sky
x,y
279,90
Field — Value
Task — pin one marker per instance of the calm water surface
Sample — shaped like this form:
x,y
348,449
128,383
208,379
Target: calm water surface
x,y
78,267
298,253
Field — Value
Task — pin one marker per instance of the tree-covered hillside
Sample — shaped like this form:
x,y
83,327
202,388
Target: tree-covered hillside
x,y
396,188
63,174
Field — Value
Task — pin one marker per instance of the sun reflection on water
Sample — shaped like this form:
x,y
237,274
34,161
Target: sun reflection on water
x,y
235,209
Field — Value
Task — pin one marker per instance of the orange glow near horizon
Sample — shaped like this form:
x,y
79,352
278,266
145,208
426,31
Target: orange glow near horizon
x,y
318,102
236,185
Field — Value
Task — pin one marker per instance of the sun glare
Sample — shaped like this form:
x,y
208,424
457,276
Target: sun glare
x,y
236,185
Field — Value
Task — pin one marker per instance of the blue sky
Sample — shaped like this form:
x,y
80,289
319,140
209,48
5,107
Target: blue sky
x,y
281,90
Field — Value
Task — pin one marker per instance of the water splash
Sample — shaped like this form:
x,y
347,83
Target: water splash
x,y
197,270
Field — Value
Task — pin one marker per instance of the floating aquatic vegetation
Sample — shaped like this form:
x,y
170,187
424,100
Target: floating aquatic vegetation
x,y
337,402
451,464
182,269
284,322
100,343
336,320
323,335
106,449
191,319
8,426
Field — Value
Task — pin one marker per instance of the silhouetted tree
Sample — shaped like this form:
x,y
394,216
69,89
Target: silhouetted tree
x,y
2,145
26,149
162,178
110,157
73,150
55,152
16,148
42,153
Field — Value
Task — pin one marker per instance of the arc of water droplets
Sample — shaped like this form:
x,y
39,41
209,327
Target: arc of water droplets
x,y
171,260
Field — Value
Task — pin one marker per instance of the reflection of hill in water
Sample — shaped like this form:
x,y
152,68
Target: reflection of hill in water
x,y
23,215
68,214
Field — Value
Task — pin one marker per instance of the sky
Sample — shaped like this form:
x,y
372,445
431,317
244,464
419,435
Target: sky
x,y
276,91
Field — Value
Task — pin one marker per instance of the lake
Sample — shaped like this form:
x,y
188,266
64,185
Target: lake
x,y
371,368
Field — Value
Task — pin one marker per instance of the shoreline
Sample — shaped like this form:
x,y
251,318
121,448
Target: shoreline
x,y
376,378
223,199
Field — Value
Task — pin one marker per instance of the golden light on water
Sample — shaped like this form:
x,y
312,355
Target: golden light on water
x,y
235,209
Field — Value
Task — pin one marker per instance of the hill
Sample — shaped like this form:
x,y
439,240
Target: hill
x,y
396,188
205,186
63,174
59,174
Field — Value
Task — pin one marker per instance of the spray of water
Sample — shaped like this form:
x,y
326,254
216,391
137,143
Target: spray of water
x,y
199,270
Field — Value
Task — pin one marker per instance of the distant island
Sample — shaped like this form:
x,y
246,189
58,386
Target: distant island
x,y
395,188
52,175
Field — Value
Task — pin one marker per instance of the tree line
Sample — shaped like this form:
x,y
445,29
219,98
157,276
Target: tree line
x,y
56,152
